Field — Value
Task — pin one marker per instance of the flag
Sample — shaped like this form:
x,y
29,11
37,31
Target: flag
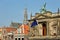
x,y
34,23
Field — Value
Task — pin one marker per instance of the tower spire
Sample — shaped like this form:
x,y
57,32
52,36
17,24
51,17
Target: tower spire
x,y
25,16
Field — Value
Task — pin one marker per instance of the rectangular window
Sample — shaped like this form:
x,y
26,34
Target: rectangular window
x,y
22,38
15,38
18,38
19,30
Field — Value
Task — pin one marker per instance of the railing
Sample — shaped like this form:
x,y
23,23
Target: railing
x,y
45,37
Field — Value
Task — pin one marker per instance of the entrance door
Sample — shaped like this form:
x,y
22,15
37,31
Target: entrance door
x,y
44,29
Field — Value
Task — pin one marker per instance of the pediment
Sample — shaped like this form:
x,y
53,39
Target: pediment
x,y
41,16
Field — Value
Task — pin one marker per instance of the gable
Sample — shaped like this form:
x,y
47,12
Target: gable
x,y
41,16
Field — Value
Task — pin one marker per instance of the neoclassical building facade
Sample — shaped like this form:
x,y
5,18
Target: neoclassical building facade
x,y
48,24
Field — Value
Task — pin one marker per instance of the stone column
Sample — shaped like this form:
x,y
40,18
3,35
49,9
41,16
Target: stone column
x,y
47,28
30,29
40,29
57,27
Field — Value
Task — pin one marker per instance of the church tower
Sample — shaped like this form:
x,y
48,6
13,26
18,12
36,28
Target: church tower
x,y
25,16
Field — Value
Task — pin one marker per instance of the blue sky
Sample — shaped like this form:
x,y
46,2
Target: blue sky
x,y
13,10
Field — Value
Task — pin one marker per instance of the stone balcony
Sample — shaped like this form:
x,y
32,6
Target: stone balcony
x,y
44,37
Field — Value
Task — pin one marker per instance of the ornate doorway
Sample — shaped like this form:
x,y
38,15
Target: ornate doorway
x,y
44,27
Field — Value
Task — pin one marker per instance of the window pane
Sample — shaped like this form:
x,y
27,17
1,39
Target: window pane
x,y
18,38
15,38
22,38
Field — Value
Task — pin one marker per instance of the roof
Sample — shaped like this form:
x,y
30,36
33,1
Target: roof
x,y
45,17
10,29
48,12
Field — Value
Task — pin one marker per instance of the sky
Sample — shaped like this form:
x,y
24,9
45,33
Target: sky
x,y
13,10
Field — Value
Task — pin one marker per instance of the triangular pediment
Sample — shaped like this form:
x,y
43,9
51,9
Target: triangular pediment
x,y
41,16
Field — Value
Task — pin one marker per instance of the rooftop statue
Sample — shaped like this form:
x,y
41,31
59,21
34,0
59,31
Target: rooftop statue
x,y
43,9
